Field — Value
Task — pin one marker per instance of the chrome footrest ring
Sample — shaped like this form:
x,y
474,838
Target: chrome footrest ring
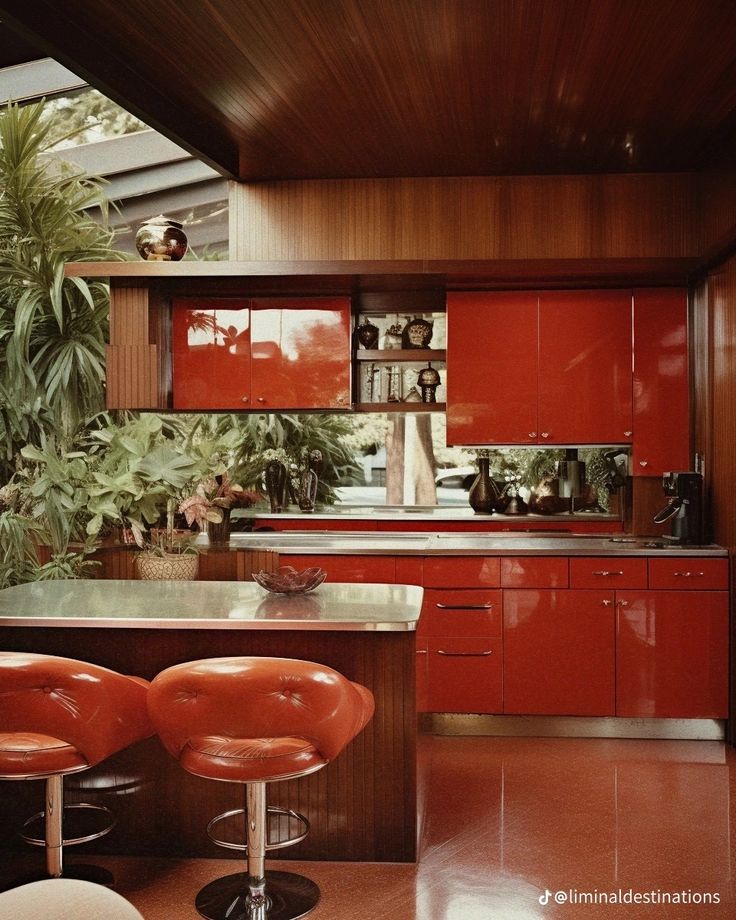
x,y
276,818
71,841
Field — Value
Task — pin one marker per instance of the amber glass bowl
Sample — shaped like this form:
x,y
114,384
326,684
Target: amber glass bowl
x,y
288,581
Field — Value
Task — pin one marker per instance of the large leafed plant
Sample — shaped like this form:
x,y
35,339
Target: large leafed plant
x,y
52,328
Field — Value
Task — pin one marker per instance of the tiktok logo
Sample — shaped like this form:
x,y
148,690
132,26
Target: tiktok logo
x,y
544,898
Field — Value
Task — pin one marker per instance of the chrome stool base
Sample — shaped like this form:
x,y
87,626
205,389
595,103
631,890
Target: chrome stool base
x,y
284,827
288,896
72,841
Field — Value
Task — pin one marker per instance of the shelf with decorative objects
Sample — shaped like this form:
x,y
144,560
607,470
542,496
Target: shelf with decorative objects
x,y
395,369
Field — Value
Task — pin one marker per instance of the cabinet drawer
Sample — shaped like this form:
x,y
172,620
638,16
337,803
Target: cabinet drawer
x,y
462,572
461,613
689,573
533,572
465,675
348,568
608,571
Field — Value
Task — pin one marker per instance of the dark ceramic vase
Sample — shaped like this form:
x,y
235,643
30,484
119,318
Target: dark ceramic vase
x,y
483,494
367,335
275,476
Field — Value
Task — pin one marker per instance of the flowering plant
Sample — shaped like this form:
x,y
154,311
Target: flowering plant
x,y
212,497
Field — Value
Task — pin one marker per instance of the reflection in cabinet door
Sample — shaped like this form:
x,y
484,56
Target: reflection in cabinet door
x,y
558,652
672,654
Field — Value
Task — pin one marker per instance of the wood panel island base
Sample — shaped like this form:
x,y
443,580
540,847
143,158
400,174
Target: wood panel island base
x,y
361,807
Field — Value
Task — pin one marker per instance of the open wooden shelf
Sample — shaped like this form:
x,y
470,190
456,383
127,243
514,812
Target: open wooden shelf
x,y
407,407
396,355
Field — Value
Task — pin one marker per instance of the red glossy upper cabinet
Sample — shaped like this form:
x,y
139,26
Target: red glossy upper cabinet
x,y
491,368
300,351
661,390
585,366
211,354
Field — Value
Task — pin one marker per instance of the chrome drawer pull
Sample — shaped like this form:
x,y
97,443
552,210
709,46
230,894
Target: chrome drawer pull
x,y
604,572
464,606
689,574
464,654
421,651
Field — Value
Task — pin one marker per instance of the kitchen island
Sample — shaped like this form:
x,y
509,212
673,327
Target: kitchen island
x,y
361,807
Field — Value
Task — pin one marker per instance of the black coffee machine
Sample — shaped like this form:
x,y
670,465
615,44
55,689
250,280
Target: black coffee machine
x,y
684,508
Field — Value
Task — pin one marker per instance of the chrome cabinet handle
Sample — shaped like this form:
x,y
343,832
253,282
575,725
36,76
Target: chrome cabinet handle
x,y
606,603
545,434
605,572
261,399
627,434
643,463
245,399
689,574
464,606
341,399
464,654
532,434
421,651
622,603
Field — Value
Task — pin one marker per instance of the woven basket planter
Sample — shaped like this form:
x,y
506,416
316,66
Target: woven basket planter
x,y
169,566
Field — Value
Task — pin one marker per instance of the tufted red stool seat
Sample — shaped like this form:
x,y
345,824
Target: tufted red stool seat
x,y
60,716
255,721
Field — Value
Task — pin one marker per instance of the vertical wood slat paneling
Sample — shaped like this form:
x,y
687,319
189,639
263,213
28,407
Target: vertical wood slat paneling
x,y
129,316
479,217
132,377
722,299
714,397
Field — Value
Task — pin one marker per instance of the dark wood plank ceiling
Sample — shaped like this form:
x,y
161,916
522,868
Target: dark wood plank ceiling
x,y
267,89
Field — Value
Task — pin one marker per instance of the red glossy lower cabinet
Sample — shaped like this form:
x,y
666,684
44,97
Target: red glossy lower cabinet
x,y
559,652
464,675
349,568
672,654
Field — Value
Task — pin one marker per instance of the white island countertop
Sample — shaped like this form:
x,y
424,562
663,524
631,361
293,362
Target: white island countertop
x,y
210,605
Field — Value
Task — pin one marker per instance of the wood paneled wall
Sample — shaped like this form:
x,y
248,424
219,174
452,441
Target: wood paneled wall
x,y
480,217
713,340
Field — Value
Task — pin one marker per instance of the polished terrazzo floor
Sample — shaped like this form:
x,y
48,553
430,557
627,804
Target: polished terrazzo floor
x,y
506,820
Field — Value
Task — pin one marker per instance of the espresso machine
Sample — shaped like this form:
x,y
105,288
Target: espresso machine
x,y
684,508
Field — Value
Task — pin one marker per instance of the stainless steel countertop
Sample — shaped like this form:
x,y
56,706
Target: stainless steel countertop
x,y
210,605
464,544
423,513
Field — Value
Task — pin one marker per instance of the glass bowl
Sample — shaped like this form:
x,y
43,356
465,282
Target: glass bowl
x,y
288,581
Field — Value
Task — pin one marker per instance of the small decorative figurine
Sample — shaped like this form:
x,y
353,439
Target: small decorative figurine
x,y
392,337
367,334
161,239
417,333
429,379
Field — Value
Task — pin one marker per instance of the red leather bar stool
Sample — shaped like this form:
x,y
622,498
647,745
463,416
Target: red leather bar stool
x,y
255,721
60,716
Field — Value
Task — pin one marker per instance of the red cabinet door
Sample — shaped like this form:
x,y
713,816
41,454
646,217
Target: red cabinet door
x,y
585,365
672,654
211,354
301,353
464,675
558,652
491,368
661,391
